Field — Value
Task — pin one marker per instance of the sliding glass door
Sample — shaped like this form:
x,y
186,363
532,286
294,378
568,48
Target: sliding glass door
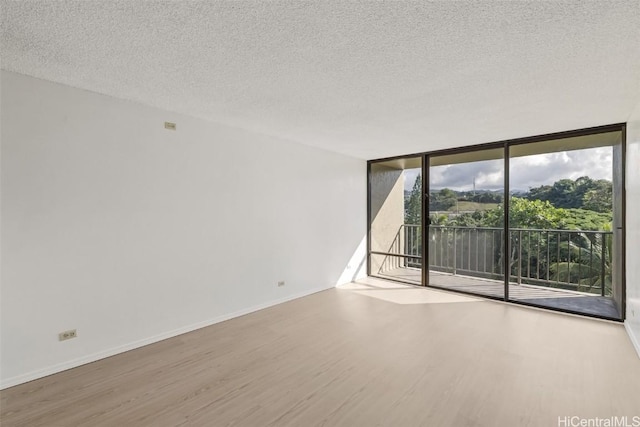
x,y
466,224
566,224
536,221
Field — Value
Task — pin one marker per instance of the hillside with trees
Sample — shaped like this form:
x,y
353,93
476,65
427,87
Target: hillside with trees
x,y
578,259
583,193
581,204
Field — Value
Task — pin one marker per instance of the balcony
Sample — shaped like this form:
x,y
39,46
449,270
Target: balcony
x,y
564,269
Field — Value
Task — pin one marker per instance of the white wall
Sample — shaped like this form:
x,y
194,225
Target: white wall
x,y
132,233
633,228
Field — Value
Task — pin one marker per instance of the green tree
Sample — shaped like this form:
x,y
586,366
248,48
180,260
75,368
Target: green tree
x,y
443,200
539,193
583,193
413,205
576,263
563,194
599,197
574,260
585,261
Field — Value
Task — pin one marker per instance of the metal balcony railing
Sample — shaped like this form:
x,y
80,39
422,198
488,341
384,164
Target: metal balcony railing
x,y
567,259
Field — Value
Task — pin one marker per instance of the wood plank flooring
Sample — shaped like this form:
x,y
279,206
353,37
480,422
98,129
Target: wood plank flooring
x,y
367,354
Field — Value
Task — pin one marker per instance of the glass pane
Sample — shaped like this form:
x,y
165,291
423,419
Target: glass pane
x,y
564,209
466,232
396,213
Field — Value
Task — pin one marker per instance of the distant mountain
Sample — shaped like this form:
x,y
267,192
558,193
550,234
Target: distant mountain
x,y
581,193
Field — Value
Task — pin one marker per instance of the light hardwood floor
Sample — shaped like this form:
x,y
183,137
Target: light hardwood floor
x,y
368,354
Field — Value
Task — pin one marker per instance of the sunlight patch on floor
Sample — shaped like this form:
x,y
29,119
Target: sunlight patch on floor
x,y
403,294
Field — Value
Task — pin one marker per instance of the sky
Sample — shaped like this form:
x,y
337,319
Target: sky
x,y
526,172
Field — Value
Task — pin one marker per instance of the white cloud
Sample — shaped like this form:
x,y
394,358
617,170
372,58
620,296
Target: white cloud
x,y
526,172
545,169
488,175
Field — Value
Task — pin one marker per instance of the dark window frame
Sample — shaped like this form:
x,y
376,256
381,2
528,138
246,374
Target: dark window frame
x,y
505,145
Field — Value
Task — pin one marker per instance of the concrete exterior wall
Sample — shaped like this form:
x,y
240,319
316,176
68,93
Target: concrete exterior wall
x,y
387,215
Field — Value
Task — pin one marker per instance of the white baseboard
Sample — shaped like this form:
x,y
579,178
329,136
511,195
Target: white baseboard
x,y
634,336
40,373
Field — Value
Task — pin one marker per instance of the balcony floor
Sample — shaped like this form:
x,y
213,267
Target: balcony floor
x,y
538,295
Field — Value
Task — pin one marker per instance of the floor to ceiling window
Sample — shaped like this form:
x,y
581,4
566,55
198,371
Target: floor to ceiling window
x,y
466,232
536,221
565,223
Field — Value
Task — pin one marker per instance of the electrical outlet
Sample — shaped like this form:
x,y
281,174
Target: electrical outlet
x,y
67,335
169,125
281,283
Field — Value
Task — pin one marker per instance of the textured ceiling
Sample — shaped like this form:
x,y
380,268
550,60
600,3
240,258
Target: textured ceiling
x,y
368,79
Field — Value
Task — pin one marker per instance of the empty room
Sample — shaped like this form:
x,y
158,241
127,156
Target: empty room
x,y
306,213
